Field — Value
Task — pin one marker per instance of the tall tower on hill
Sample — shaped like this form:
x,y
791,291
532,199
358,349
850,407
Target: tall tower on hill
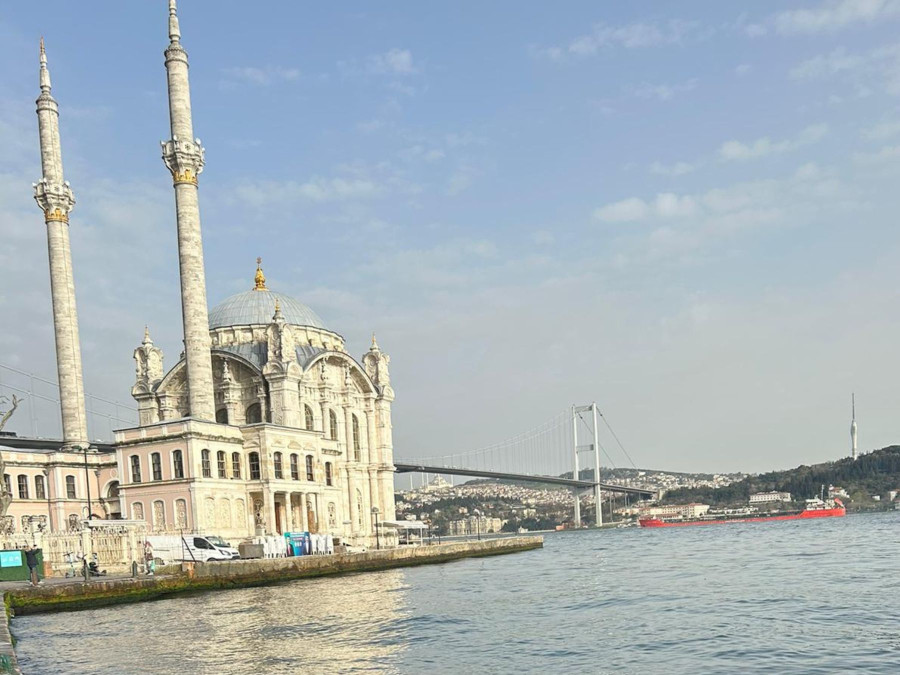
x,y
54,196
853,451
183,155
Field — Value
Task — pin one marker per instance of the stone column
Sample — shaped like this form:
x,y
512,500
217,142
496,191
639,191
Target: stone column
x,y
54,196
184,157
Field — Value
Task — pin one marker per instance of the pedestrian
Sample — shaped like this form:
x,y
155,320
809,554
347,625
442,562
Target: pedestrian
x,y
148,558
31,558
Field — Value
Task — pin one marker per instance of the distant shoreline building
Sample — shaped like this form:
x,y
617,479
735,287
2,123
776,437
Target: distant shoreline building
x,y
768,497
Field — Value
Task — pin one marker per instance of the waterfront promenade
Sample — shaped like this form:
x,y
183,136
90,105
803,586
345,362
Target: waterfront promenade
x,y
191,577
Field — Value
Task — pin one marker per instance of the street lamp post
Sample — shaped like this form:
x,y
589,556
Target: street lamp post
x,y
46,473
87,481
377,540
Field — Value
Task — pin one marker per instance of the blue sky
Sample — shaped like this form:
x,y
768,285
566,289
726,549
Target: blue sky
x,y
684,211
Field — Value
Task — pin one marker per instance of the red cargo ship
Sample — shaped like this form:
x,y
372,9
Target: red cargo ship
x,y
815,508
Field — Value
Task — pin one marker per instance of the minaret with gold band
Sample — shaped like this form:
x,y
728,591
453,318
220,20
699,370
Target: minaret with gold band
x,y
183,155
56,200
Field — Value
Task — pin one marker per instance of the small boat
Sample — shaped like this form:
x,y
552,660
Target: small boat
x,y
815,508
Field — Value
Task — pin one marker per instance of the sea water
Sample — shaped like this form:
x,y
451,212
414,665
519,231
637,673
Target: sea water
x,y
817,596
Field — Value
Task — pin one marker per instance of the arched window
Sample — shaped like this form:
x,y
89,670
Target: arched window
x,y
135,469
222,415
332,425
236,464
309,468
329,479
253,414
178,463
137,511
23,486
279,466
204,463
295,467
254,466
354,422
7,484
310,420
70,486
221,462
39,492
156,465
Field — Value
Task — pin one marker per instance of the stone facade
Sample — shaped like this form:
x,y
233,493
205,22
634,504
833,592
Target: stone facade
x,y
266,424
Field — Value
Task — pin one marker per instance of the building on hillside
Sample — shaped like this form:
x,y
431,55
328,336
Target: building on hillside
x,y
265,423
767,497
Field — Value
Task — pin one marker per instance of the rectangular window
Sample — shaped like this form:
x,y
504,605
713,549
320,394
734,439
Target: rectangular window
x,y
328,477
135,469
236,464
221,464
70,486
204,462
309,468
279,467
254,466
178,463
295,468
23,487
39,492
157,466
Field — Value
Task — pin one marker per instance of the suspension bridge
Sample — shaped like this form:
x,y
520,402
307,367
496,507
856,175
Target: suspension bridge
x,y
565,451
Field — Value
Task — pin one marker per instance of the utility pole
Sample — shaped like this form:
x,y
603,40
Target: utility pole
x,y
575,474
598,497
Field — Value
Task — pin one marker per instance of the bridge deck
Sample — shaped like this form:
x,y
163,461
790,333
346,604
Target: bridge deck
x,y
402,467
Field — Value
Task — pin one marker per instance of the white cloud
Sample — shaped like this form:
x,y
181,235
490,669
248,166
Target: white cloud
x,y
666,205
676,169
259,76
762,147
888,153
755,30
743,69
663,92
826,64
627,210
630,36
882,131
833,15
316,189
394,61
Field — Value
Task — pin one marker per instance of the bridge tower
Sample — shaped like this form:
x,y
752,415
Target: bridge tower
x,y
594,445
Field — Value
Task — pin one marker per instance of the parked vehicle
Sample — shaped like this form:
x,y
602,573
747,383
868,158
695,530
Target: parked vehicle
x,y
223,545
188,548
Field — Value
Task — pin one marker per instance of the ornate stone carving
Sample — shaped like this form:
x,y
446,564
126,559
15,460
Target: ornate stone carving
x,y
55,199
184,159
180,514
148,361
376,364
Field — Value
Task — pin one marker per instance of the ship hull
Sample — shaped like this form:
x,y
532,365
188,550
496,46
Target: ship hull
x,y
802,515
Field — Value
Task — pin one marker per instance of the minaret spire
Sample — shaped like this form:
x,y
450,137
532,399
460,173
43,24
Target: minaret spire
x,y
853,450
183,155
54,196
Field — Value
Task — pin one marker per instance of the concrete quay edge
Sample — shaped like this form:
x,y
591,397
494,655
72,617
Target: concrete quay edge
x,y
242,573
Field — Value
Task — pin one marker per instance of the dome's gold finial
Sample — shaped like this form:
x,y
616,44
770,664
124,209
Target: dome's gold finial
x,y
260,278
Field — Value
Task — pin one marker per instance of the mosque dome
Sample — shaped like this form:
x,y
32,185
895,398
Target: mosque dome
x,y
257,306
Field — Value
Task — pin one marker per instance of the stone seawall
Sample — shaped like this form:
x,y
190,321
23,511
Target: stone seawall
x,y
210,576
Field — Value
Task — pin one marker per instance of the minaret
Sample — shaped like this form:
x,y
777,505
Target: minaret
x,y
56,200
183,156
853,452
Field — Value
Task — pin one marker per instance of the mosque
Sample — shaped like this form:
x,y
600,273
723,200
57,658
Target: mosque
x,y
264,425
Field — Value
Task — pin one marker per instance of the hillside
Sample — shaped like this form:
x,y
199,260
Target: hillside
x,y
873,473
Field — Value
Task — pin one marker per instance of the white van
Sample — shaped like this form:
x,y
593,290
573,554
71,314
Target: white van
x,y
188,548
